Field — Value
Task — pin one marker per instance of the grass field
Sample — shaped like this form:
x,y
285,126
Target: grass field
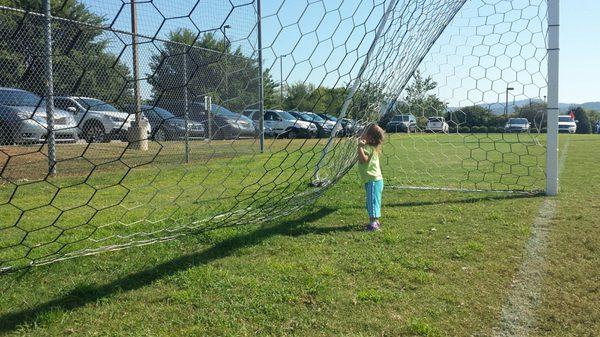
x,y
443,264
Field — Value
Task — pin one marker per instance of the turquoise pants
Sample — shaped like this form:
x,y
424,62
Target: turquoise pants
x,y
374,190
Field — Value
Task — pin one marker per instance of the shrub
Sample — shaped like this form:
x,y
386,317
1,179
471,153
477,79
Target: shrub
x,y
464,129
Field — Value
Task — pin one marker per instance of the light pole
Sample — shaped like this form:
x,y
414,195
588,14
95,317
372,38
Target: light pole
x,y
281,78
226,63
506,104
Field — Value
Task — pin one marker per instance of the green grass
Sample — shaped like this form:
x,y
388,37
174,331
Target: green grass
x,y
442,265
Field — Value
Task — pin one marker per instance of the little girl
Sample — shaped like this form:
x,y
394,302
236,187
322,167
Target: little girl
x,y
369,148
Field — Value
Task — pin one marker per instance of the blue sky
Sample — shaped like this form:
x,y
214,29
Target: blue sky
x,y
314,61
580,51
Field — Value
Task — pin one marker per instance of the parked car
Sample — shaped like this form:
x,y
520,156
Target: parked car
x,y
347,125
567,124
598,127
323,129
166,126
224,124
437,124
97,120
517,125
279,123
23,119
402,123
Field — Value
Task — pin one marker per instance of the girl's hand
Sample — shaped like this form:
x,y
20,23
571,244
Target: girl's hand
x,y
362,142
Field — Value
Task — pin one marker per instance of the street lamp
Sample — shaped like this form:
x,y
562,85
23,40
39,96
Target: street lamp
x,y
506,104
281,78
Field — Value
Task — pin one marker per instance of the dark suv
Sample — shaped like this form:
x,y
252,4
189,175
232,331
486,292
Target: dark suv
x,y
166,126
225,124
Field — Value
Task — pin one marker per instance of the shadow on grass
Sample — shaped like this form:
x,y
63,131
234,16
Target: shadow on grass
x,y
81,296
469,200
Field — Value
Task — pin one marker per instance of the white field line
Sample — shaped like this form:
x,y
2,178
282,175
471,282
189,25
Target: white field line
x,y
518,313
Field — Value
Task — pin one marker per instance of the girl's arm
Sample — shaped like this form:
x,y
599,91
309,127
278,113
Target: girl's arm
x,y
362,156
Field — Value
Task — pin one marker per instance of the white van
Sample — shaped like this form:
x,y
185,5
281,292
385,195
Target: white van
x,y
436,124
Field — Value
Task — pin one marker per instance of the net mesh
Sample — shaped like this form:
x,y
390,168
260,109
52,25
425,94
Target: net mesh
x,y
177,149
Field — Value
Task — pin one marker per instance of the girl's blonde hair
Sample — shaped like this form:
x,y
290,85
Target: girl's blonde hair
x,y
375,136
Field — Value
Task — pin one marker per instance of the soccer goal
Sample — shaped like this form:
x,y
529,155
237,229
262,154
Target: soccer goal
x,y
129,123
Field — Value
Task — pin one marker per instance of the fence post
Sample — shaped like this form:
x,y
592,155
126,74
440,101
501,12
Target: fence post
x,y
261,93
186,106
208,107
49,90
553,102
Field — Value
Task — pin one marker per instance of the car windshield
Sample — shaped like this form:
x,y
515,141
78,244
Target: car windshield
x,y
162,113
399,118
313,117
19,98
331,118
287,116
222,111
517,121
565,119
435,119
92,104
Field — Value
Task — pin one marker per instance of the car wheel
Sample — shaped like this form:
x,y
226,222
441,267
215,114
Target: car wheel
x,y
160,135
94,132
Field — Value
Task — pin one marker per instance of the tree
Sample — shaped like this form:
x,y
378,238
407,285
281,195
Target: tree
x,y
583,125
366,102
535,113
204,65
298,97
594,117
81,64
418,100
471,116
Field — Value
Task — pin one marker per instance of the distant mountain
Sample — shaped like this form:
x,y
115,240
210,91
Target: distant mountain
x,y
591,105
498,108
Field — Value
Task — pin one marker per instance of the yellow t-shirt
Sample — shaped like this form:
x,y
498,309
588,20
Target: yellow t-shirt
x,y
370,171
